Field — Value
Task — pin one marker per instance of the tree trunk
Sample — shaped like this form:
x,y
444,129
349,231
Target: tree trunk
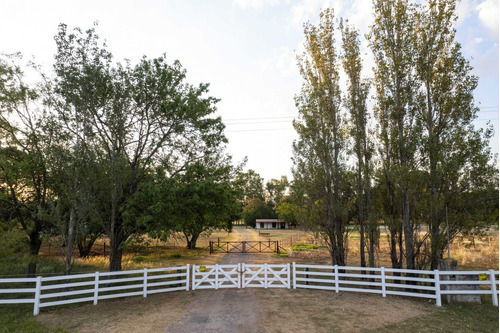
x,y
436,252
361,215
34,245
393,247
84,247
115,254
408,232
371,252
69,242
191,243
116,241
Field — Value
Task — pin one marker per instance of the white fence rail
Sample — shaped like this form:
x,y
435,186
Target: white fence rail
x,y
390,281
266,276
92,287
216,276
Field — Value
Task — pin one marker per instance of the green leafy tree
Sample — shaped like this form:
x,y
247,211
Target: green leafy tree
x,y
400,133
276,190
27,134
198,200
142,115
257,209
357,94
319,153
206,200
455,155
252,185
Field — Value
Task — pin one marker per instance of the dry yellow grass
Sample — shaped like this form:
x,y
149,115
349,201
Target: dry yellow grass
x,y
477,253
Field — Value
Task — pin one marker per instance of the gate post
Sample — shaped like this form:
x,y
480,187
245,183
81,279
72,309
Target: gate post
x,y
294,276
193,276
288,274
243,269
265,276
216,276
239,275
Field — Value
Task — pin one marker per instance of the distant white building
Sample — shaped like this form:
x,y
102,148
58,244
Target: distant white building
x,y
271,224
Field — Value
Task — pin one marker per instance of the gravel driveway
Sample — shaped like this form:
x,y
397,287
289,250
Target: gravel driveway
x,y
234,310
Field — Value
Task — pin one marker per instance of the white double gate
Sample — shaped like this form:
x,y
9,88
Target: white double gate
x,y
240,276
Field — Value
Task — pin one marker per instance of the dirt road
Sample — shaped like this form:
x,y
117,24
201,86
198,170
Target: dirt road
x,y
234,310
238,310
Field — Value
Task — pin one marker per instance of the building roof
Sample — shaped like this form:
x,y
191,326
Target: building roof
x,y
269,220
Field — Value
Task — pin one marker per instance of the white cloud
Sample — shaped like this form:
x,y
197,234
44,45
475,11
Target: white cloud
x,y
255,4
488,15
283,60
463,11
306,10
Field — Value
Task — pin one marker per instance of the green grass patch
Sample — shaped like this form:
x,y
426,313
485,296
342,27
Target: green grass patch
x,y
457,317
19,318
304,247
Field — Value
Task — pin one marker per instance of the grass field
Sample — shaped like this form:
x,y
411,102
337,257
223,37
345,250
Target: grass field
x,y
301,247
471,253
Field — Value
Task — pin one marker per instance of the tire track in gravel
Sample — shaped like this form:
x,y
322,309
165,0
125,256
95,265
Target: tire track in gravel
x,y
229,310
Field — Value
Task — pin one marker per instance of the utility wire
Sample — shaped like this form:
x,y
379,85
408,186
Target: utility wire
x,y
260,130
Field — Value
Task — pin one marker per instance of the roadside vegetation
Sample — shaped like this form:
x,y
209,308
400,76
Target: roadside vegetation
x,y
107,164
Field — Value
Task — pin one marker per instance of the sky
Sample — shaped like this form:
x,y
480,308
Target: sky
x,y
245,49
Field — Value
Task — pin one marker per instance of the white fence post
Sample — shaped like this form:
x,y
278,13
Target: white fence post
x,y
437,287
493,288
96,288
382,276
243,271
187,277
36,307
145,283
336,278
216,276
265,276
288,274
193,277
294,276
239,275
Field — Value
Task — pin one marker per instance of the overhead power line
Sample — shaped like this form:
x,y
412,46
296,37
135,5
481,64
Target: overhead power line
x,y
260,130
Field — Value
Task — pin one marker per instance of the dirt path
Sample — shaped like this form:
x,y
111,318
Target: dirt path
x,y
238,310
234,310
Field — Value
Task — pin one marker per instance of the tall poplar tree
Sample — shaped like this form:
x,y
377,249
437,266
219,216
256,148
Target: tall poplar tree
x,y
319,151
391,41
357,94
455,155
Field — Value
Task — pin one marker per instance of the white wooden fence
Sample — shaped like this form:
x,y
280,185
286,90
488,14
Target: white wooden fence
x,y
92,287
391,281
